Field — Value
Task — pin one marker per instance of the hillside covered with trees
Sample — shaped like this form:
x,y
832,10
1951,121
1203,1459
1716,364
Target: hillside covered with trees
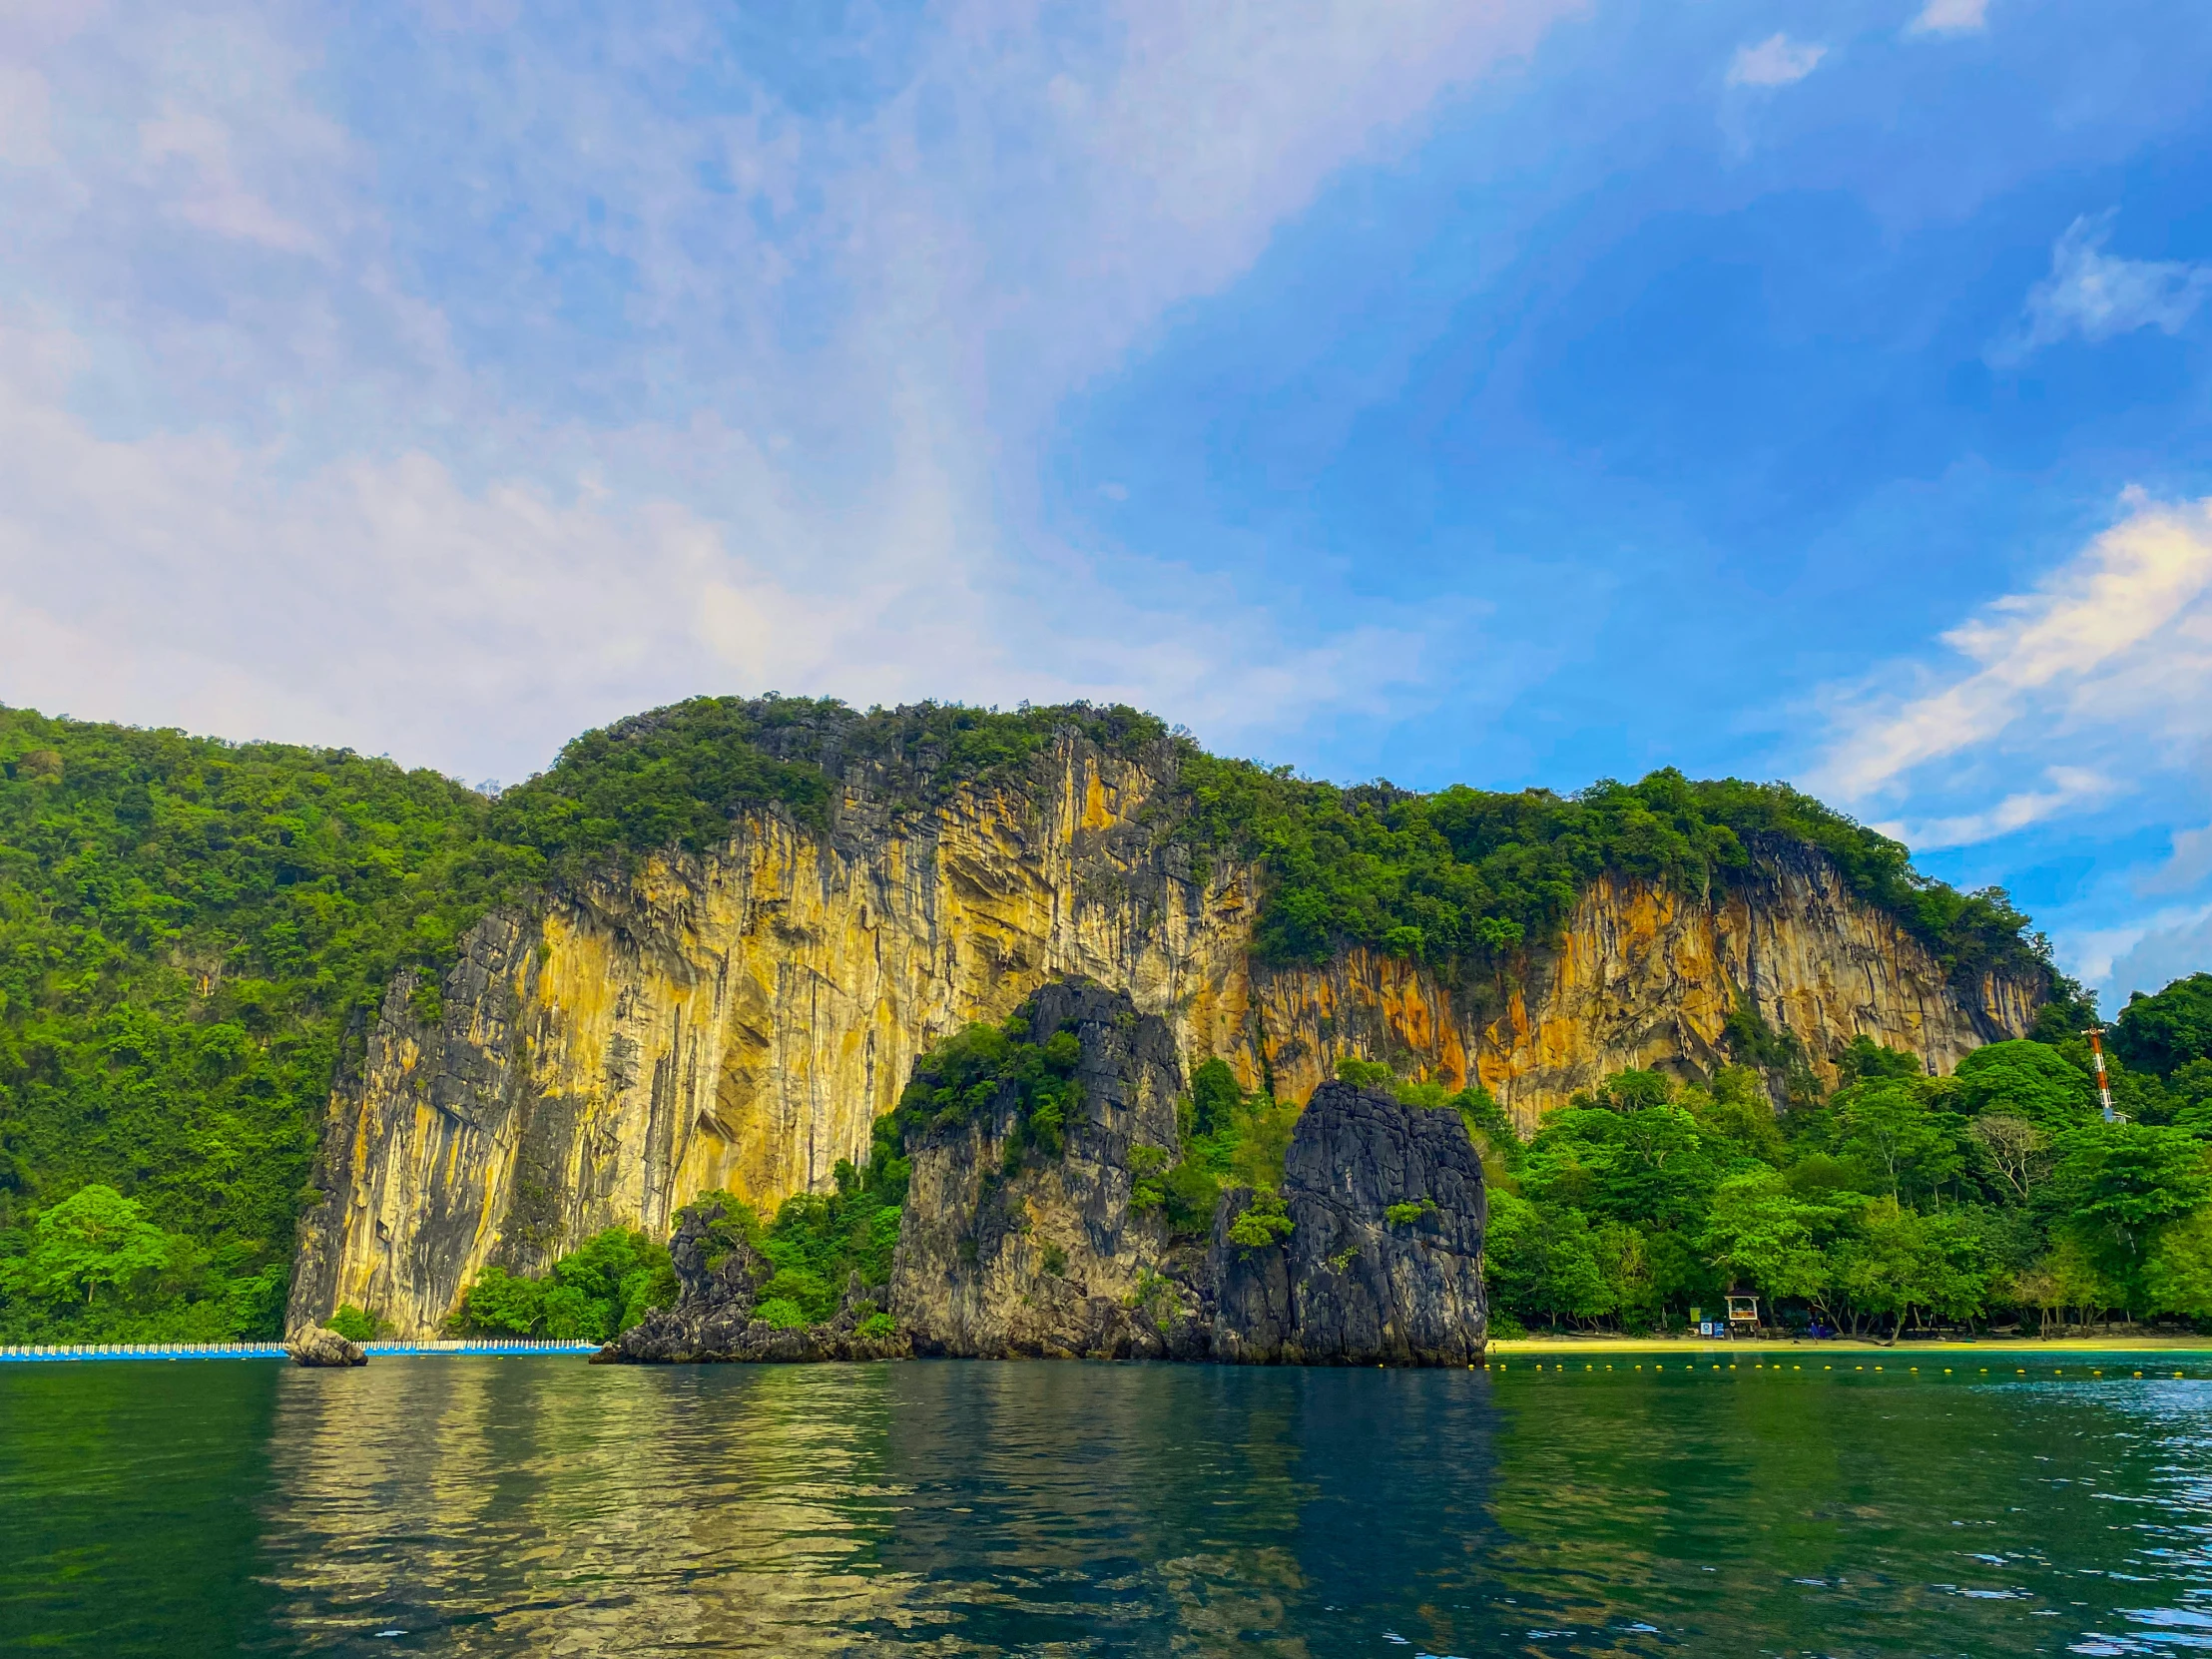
x,y
1900,1200
188,929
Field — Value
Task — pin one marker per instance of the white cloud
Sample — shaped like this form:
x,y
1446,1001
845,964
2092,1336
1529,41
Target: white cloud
x,y
2188,865
2146,957
207,191
2099,296
1950,17
2113,652
380,603
309,499
2070,787
1774,62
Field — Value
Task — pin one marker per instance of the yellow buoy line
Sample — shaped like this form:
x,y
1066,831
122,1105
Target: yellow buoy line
x,y
1690,1367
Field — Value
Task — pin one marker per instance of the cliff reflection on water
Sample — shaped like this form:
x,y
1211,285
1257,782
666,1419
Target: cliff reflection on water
x,y
487,1506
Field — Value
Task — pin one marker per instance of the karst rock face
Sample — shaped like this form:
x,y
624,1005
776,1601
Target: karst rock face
x,y
712,1317
1047,1258
1383,1261
739,1020
1008,1251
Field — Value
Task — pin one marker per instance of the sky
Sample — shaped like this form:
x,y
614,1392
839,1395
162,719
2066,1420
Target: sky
x,y
1502,391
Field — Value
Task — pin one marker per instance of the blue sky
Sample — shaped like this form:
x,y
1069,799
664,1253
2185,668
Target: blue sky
x,y
1520,392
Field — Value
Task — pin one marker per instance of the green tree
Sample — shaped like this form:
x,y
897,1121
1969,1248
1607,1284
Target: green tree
x,y
2161,1033
1540,1263
2177,1279
1762,1235
1214,1098
2030,1081
96,1237
500,1304
2117,1187
1905,1148
1901,1263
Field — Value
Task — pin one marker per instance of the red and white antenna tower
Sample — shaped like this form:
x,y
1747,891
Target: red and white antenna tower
x,y
2095,1034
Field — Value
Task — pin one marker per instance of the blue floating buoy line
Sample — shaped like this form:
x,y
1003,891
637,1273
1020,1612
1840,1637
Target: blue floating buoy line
x,y
64,1352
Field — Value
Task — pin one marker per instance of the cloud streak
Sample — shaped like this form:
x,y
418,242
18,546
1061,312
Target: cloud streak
x,y
1777,60
1950,17
2111,654
2099,296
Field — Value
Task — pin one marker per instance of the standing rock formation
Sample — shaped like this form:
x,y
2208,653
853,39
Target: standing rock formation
x,y
1046,1258
1006,1250
740,1019
1384,1262
713,1318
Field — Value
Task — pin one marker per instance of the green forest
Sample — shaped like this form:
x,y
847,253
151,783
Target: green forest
x,y
1901,1200
191,930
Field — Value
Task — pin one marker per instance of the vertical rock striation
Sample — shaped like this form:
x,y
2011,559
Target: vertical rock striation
x,y
739,1020
1383,1261
1008,1252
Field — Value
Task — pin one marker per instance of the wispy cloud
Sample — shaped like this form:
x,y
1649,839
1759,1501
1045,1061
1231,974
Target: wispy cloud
x,y
2186,866
1774,62
1950,17
2097,296
2070,787
2146,955
2111,655
616,373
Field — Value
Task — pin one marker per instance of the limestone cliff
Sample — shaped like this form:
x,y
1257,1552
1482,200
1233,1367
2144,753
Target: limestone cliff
x,y
1011,1248
739,1019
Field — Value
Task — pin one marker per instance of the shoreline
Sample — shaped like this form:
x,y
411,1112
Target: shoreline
x,y
1510,1345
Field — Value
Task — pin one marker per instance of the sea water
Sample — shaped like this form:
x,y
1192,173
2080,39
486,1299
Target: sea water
x,y
537,1505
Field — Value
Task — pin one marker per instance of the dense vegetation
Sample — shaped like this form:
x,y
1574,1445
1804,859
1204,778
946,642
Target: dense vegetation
x,y
184,927
813,1248
1901,1200
189,928
1467,877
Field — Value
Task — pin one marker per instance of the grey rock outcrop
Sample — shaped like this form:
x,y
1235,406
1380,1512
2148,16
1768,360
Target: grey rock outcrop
x,y
713,1318
1383,1261
322,1347
1372,1255
1048,1258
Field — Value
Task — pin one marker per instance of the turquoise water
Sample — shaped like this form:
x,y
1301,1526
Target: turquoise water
x,y
526,1505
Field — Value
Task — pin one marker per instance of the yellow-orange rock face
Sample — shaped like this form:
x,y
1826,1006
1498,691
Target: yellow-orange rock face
x,y
741,1021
